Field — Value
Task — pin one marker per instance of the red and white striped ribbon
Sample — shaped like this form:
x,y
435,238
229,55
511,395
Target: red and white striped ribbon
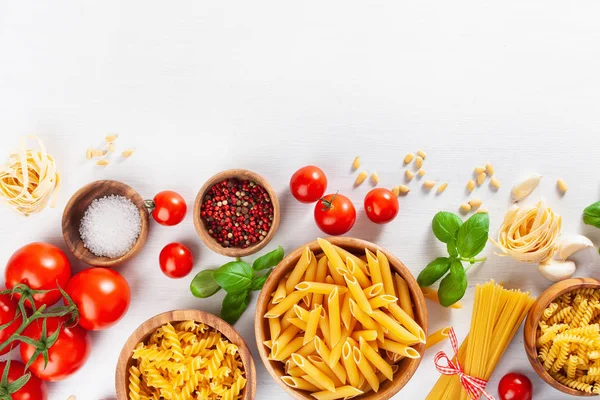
x,y
474,387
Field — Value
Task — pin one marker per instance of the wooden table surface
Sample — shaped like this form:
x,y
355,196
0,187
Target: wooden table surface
x,y
270,86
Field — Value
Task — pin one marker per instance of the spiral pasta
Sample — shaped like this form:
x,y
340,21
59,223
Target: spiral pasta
x,y
187,360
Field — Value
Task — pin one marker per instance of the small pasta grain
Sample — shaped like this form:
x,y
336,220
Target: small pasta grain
x,y
111,147
127,153
375,178
422,154
88,154
408,158
356,163
421,172
97,153
480,178
465,208
419,162
471,185
479,170
396,191
361,177
103,162
403,189
442,187
475,203
489,168
562,186
110,138
409,174
429,184
495,183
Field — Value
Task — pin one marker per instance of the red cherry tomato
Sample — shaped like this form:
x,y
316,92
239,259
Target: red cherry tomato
x,y
381,205
34,389
39,266
308,184
101,295
169,208
65,356
335,214
8,310
515,386
176,260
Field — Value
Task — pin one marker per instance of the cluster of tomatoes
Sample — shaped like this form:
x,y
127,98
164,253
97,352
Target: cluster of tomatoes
x,y
334,213
101,295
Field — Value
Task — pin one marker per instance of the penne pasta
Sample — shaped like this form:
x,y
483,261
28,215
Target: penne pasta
x,y
274,328
354,270
335,260
345,313
324,327
313,382
301,313
386,273
344,254
325,354
399,348
362,317
279,292
350,365
318,362
282,352
320,288
375,359
299,383
366,369
316,374
285,304
410,324
312,324
395,330
437,336
321,274
286,337
368,335
374,267
432,294
294,371
306,258
307,349
382,301
268,343
285,318
333,304
343,392
309,276
373,290
298,323
404,295
357,294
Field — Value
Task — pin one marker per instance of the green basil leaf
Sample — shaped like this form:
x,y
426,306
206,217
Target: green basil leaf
x,y
235,276
269,260
591,214
433,271
234,305
258,282
204,285
472,236
451,247
444,226
454,285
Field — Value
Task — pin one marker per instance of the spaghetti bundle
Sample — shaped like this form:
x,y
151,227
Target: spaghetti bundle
x,y
497,314
29,180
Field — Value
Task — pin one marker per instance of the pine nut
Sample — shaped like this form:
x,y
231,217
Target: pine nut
x,y
475,203
471,185
403,189
465,208
494,182
396,191
489,168
422,154
479,170
409,174
361,177
375,178
102,162
88,154
442,187
408,158
419,162
110,138
481,178
428,184
98,153
421,172
127,153
482,211
356,163
562,186
111,147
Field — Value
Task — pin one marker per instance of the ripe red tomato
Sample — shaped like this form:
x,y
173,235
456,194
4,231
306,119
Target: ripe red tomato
x,y
308,184
515,386
34,389
101,295
67,354
39,266
169,208
335,214
8,310
176,260
381,205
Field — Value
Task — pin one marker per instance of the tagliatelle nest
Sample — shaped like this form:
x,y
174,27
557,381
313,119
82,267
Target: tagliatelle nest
x,y
529,234
29,180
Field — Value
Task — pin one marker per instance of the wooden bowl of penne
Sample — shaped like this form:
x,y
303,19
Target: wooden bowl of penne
x,y
179,353
341,318
562,336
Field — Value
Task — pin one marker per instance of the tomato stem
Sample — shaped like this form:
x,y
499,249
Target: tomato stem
x,y
328,204
150,205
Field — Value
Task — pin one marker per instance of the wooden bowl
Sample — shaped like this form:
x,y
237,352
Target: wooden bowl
x,y
75,209
407,366
145,330
201,228
533,319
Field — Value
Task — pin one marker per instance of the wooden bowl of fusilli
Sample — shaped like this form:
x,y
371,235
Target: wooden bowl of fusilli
x,y
185,354
562,336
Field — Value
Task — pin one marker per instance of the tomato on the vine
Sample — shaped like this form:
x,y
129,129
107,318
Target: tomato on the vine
x,y
176,260
101,295
335,214
65,356
169,208
39,266
308,184
8,311
515,386
381,205
34,389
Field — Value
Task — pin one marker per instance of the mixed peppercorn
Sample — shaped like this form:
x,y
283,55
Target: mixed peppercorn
x,y
237,213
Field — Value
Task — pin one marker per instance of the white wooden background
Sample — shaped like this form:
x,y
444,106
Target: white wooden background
x,y
198,87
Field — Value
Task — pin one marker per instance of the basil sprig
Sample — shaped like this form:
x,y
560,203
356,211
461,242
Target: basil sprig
x,y
464,241
238,279
591,214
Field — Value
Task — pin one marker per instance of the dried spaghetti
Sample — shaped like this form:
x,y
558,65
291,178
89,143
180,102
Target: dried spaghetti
x,y
529,234
29,180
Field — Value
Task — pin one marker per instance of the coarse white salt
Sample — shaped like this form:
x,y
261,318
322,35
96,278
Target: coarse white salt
x,y
110,226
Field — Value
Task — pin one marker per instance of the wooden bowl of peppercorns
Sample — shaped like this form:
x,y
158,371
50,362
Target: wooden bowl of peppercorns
x,y
236,213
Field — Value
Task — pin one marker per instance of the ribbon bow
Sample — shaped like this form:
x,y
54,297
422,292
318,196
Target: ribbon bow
x,y
474,387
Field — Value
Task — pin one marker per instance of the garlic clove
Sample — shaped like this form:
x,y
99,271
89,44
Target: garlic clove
x,y
571,244
524,188
557,270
